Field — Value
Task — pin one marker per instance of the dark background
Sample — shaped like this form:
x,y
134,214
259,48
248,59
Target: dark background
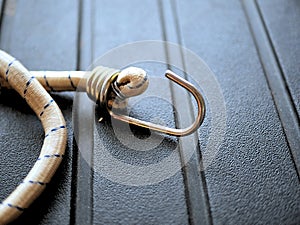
x,y
253,49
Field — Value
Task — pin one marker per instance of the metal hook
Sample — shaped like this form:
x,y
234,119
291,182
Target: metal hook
x,y
167,130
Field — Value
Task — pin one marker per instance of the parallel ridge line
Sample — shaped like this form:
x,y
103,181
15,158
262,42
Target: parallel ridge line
x,y
274,76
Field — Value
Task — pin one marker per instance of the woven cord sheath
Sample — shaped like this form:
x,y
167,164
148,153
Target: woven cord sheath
x,y
54,143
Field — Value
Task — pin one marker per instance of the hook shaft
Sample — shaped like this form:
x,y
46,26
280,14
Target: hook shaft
x,y
167,130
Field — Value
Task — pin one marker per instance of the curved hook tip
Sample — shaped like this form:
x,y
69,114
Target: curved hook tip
x,y
167,130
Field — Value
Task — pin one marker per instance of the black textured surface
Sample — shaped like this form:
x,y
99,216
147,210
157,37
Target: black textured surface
x,y
283,22
41,34
194,180
1,9
253,177
124,204
275,79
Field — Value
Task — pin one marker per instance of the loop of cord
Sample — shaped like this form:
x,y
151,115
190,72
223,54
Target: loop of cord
x,y
54,144
32,87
